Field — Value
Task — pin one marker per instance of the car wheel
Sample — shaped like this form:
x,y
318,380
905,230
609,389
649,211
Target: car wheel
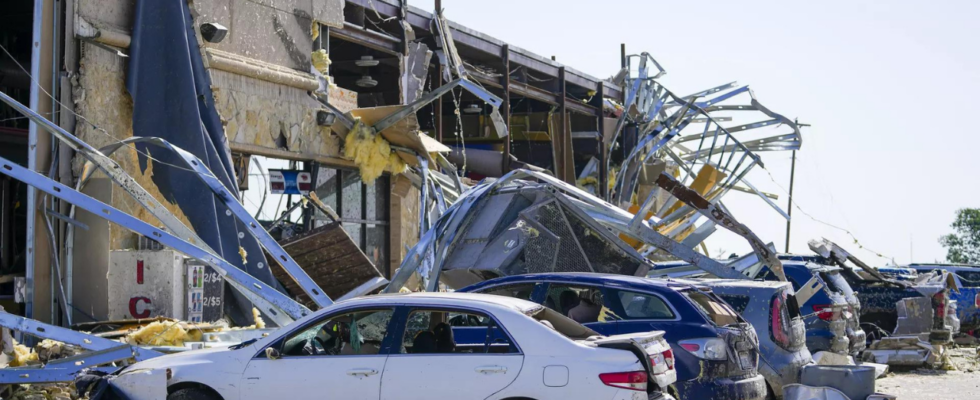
x,y
190,394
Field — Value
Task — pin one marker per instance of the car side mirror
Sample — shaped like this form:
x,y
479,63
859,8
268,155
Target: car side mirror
x,y
272,353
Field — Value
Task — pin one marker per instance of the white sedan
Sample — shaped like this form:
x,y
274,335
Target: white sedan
x,y
424,346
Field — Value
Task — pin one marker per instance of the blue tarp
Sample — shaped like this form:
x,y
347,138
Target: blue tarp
x,y
172,100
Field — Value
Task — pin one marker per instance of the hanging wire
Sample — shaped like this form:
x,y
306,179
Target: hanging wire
x,y
80,117
847,231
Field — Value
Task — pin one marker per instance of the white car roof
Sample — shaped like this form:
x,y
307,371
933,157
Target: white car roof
x,y
475,300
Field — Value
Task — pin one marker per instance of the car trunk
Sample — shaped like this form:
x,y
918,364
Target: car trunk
x,y
739,335
650,348
845,320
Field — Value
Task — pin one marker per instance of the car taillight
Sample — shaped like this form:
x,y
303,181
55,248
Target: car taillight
x,y
940,304
976,300
636,380
706,348
824,311
662,362
777,323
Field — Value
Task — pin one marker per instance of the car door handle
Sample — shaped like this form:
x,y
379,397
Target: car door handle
x,y
362,372
491,369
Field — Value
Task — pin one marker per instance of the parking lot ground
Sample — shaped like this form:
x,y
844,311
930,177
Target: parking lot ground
x,y
931,385
924,384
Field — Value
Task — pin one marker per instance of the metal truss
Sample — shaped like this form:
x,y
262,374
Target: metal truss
x,y
429,255
277,306
234,207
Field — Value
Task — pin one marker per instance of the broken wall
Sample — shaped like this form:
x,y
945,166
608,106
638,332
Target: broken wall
x,y
404,214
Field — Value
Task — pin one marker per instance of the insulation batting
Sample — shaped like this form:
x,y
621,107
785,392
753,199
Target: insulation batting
x,y
23,355
371,153
321,61
259,322
159,333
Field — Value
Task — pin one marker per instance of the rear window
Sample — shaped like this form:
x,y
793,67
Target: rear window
x,y
836,283
969,278
738,302
717,311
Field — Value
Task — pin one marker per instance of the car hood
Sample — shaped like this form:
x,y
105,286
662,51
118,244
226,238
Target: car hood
x,y
192,357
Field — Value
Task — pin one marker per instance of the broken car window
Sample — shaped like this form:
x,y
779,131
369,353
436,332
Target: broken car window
x,y
718,312
446,332
358,333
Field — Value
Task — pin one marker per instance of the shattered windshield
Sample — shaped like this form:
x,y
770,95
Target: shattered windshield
x,y
718,312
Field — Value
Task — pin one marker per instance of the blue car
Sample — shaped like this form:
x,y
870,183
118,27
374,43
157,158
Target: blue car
x,y
968,299
824,328
716,352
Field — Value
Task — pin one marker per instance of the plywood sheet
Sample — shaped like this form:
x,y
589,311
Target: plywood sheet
x,y
331,258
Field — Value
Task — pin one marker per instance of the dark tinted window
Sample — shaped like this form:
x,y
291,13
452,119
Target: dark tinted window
x,y
969,278
450,332
520,290
738,302
583,304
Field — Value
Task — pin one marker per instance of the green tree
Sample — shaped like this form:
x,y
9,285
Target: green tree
x,y
963,245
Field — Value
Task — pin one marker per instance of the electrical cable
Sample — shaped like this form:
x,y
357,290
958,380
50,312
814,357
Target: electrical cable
x,y
80,117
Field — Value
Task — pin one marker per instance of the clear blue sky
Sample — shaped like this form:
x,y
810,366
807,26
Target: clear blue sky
x,y
889,88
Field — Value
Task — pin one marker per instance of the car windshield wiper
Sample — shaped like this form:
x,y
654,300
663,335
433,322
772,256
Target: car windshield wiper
x,y
243,344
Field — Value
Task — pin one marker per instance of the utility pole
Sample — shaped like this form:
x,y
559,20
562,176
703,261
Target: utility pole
x,y
792,176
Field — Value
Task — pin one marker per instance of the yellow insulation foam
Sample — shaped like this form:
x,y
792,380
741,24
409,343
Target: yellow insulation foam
x,y
257,317
23,355
321,61
159,333
589,180
371,153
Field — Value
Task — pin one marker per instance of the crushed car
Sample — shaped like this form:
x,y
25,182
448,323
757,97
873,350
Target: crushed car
x,y
967,299
715,352
767,307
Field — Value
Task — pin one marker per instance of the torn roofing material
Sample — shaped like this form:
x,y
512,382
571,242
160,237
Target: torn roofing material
x,y
514,225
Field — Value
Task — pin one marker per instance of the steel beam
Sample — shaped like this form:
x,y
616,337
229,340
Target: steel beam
x,y
277,306
113,170
716,214
368,38
505,107
234,207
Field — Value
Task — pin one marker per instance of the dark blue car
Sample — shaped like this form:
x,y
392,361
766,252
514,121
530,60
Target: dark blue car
x,y
825,328
716,352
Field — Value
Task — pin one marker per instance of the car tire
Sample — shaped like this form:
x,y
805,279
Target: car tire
x,y
191,394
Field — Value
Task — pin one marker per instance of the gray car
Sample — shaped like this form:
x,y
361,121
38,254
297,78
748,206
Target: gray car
x,y
782,335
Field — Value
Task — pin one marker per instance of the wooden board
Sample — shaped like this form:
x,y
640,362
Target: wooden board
x,y
331,258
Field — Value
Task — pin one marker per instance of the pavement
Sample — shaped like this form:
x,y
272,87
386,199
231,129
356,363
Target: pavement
x,y
960,380
931,385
